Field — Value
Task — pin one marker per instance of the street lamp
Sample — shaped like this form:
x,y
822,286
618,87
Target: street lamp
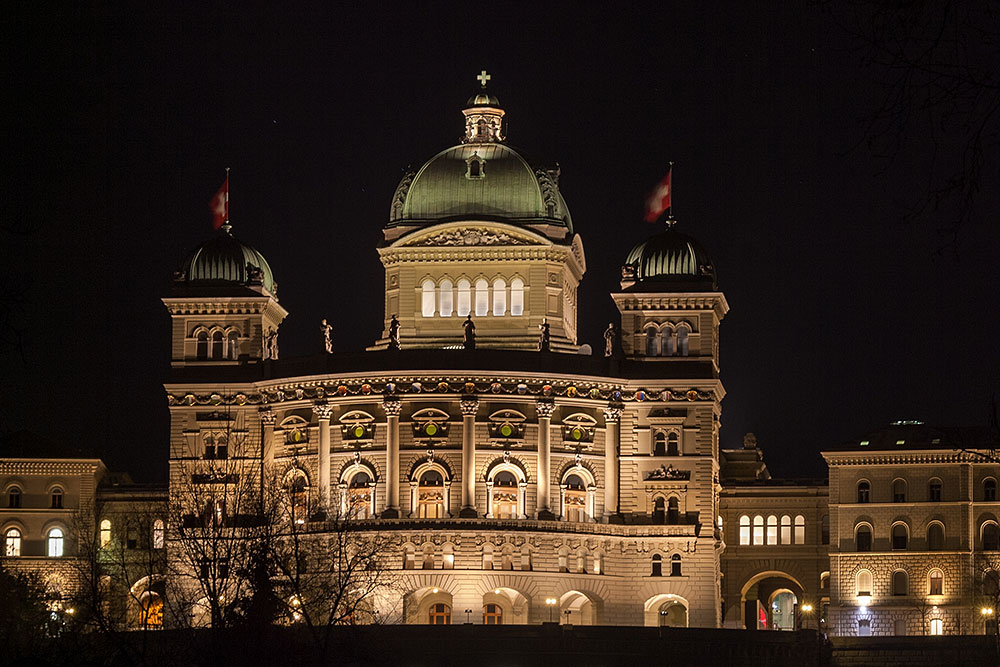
x,y
468,615
806,611
567,613
551,603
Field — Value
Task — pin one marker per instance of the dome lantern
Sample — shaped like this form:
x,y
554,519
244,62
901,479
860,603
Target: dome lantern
x,y
483,116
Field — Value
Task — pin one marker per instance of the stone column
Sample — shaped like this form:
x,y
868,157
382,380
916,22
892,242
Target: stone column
x,y
392,407
323,413
267,419
545,409
612,442
470,406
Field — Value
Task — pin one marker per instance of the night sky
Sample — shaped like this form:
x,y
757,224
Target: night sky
x,y
845,314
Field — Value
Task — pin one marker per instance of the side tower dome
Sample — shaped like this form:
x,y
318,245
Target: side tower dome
x,y
224,305
669,301
479,232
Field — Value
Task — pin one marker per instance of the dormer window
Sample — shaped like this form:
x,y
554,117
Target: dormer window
x,y
475,167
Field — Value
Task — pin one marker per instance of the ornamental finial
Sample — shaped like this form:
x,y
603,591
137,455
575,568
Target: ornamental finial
x,y
483,78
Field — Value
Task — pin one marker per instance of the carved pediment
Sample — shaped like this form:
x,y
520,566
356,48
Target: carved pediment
x,y
470,237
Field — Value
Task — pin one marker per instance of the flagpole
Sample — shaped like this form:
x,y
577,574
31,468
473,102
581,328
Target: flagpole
x,y
227,195
670,211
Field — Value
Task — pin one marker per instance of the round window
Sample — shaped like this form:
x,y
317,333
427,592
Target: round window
x,y
506,430
576,433
430,428
359,431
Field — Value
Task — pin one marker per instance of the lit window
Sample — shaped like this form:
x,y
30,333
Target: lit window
x,y
440,614
682,340
105,533
651,339
232,352
151,614
505,495
863,583
744,530
499,297
935,582
427,298
158,534
57,498
492,615
937,626
482,297
12,543
445,307
772,529
55,542
430,495
14,497
464,297
359,496
298,499
758,530
575,499
517,297
786,529
800,529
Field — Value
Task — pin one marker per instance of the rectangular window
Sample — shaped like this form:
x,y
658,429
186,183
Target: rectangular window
x,y
744,534
937,626
772,534
864,627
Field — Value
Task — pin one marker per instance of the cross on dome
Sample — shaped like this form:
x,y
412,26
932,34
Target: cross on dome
x,y
483,78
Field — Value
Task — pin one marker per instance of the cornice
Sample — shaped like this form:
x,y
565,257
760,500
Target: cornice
x,y
21,466
222,305
912,457
672,301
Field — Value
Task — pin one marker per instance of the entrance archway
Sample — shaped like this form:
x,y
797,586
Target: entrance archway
x,y
761,591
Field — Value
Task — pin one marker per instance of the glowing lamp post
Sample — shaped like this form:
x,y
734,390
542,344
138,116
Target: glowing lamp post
x,y
806,612
551,603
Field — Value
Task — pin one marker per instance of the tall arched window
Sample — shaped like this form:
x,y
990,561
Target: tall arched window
x,y
12,543
800,529
934,491
232,345
298,499
201,349
517,297
445,302
989,490
899,536
758,530
991,537
217,345
505,495
57,498
482,297
576,499
55,543
14,497
935,537
864,492
786,529
863,582
772,529
464,297
863,537
659,444
440,614
657,566
899,491
359,496
672,448
427,298
935,582
675,565
683,331
651,340
430,495
158,534
105,535
744,530
673,511
900,583
668,343
499,297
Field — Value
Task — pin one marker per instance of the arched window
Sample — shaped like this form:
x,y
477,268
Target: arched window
x,y
430,495
12,543
758,530
772,530
576,499
482,297
517,297
668,344
864,492
217,345
57,498
683,331
935,537
659,511
900,583
487,557
935,582
673,511
991,537
492,614
464,297
428,562
659,444
989,490
445,301
825,529
786,529
14,497
359,495
675,565
863,537
440,614
744,530
899,491
232,352
427,298
158,534
298,499
800,529
672,448
863,583
934,491
105,536
937,627
657,566
151,612
899,536
505,495
55,543
201,349
651,337
499,297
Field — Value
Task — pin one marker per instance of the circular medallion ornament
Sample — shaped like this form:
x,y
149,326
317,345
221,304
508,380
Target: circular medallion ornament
x,y
430,428
616,395
416,387
495,387
640,395
241,399
547,390
366,389
692,395
390,388
189,399
522,389
576,433
215,399
443,386
595,393
571,391
666,395
359,431
342,389
506,430
470,387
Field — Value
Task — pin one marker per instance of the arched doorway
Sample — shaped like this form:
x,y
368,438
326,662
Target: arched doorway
x,y
783,606
758,596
